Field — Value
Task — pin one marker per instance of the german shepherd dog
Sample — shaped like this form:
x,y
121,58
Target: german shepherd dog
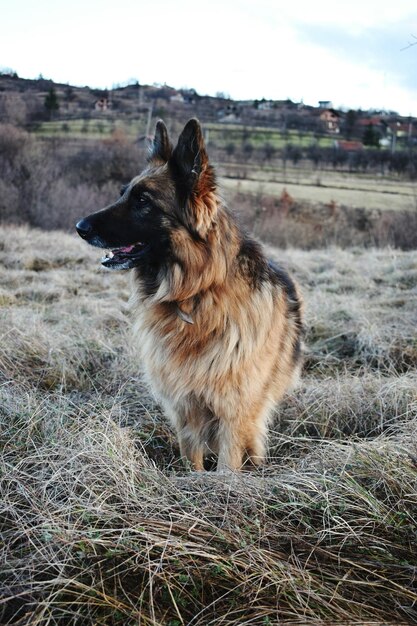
x,y
218,325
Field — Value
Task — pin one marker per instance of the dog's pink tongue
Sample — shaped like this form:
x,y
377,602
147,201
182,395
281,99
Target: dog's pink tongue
x,y
127,249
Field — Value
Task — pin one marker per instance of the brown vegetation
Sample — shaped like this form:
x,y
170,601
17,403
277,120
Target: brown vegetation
x,y
283,221
50,183
100,523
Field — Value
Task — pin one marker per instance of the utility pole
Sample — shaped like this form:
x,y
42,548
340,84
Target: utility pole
x,y
394,141
149,122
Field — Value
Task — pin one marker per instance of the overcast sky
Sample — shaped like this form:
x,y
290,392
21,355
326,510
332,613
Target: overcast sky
x,y
351,53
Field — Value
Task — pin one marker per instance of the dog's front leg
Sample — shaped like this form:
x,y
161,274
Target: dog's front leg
x,y
242,440
231,446
191,450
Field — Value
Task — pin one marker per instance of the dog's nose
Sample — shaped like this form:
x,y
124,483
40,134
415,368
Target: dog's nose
x,y
84,228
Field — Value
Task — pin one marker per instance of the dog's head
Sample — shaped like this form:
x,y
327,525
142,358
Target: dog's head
x,y
172,199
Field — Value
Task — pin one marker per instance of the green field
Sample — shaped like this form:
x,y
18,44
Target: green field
x,y
303,182
93,128
217,134
222,134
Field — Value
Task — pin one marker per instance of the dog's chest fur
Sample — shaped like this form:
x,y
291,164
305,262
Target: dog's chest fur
x,y
238,336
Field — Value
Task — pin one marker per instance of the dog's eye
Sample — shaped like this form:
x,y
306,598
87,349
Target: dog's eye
x,y
142,204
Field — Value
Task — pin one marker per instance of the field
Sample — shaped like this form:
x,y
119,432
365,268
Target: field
x,y
308,185
369,190
47,182
216,133
102,524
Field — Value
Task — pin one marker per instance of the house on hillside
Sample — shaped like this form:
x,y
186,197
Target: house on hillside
x,y
190,95
377,122
331,120
348,146
177,97
264,105
403,128
102,104
225,118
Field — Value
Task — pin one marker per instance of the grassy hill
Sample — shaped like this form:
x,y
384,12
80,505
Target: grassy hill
x,y
100,522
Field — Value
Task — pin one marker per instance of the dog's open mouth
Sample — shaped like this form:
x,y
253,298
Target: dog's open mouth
x,y
124,258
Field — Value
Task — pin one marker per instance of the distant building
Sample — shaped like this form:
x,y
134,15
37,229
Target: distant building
x,y
325,104
375,120
331,120
402,129
265,105
348,146
227,117
177,97
103,104
189,95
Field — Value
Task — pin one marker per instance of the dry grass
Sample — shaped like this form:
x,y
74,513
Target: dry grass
x,y
101,524
325,187
287,221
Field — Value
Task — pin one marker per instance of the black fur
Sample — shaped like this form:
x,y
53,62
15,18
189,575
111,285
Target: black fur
x,y
293,302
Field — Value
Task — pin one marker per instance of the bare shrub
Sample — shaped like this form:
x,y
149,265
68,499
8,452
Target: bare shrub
x,y
91,165
115,159
13,108
61,205
126,157
398,229
46,186
9,202
13,141
285,222
18,155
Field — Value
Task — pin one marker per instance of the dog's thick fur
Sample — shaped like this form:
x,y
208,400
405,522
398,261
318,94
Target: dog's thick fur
x,y
218,326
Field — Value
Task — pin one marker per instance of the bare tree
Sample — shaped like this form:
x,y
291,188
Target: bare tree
x,y
410,43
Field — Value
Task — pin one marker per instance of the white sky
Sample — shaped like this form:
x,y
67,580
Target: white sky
x,y
349,53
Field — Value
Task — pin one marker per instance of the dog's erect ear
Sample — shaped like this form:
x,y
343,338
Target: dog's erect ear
x,y
161,148
190,157
194,179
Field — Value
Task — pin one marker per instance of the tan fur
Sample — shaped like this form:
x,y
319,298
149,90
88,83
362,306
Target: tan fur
x,y
217,326
219,377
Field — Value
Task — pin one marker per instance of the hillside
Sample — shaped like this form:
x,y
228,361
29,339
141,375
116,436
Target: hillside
x,y
101,524
287,168
23,102
50,181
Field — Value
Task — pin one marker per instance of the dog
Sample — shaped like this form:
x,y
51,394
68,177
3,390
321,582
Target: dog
x,y
218,326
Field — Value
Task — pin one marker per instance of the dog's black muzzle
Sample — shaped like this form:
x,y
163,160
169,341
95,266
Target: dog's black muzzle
x,y
124,254
84,228
88,230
